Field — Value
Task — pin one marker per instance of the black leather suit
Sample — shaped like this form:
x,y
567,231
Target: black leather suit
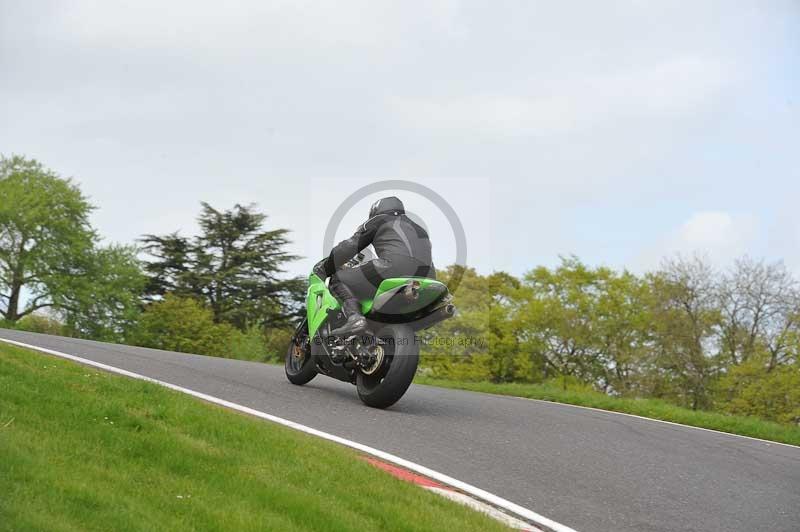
x,y
402,246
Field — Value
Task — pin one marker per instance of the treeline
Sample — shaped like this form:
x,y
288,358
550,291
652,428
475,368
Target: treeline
x,y
694,336
222,292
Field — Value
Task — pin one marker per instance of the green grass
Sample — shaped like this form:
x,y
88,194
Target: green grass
x,y
87,450
651,408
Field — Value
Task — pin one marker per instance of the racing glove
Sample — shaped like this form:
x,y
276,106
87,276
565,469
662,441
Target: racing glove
x,y
321,269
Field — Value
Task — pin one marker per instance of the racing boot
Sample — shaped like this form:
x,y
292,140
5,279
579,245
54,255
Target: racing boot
x,y
356,322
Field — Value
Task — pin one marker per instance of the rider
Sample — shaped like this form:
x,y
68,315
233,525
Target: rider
x,y
403,249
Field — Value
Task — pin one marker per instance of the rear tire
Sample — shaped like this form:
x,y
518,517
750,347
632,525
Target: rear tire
x,y
387,386
299,364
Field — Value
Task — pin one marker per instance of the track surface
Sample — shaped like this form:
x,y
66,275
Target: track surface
x,y
593,471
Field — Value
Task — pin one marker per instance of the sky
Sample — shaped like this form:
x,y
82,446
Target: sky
x,y
620,132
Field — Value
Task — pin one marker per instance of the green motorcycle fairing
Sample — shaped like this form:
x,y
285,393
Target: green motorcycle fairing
x,y
319,300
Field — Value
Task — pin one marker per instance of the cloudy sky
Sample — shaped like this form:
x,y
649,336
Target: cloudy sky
x,y
616,131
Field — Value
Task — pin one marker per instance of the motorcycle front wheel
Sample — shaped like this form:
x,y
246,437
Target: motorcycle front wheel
x,y
299,364
386,386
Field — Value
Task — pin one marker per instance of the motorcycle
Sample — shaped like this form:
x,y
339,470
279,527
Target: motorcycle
x,y
382,361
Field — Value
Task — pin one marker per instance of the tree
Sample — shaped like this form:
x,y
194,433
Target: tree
x,y
557,318
686,319
760,305
478,343
44,233
171,271
233,265
50,257
104,302
623,332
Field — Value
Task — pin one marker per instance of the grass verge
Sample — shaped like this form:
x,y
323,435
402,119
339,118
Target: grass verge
x,y
651,408
86,450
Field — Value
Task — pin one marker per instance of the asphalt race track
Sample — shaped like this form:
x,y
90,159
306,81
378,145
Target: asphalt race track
x,y
590,470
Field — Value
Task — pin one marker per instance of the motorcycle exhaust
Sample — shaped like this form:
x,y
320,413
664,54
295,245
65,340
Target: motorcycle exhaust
x,y
438,315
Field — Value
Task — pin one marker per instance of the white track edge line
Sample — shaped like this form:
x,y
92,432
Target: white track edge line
x,y
402,462
480,506
545,401
762,440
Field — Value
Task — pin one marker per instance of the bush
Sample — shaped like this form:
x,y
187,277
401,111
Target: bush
x,y
750,389
38,323
276,342
248,345
185,325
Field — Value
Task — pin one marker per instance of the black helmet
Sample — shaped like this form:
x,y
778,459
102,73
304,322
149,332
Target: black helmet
x,y
390,205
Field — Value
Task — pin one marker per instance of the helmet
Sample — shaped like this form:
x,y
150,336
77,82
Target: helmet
x,y
390,205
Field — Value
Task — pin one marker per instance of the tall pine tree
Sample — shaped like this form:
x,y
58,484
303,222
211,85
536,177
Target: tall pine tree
x,y
234,265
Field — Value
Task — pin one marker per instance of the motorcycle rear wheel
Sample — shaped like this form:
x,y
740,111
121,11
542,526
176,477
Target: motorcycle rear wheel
x,y
385,387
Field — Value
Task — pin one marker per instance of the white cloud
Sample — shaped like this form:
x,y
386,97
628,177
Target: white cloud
x,y
716,235
708,229
238,28
589,130
576,103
